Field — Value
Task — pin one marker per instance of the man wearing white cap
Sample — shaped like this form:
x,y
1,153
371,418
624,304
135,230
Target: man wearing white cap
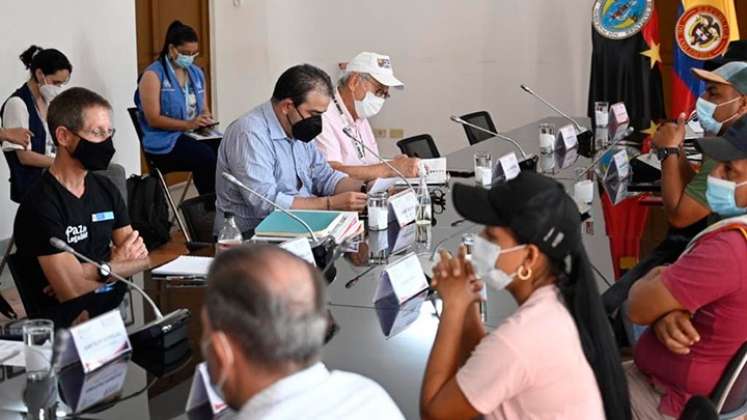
x,y
360,94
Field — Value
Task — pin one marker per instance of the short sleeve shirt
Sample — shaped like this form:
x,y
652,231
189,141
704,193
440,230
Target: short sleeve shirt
x,y
532,366
85,223
710,281
336,146
698,185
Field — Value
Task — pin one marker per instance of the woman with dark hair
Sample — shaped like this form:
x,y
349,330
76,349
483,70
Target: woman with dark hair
x,y
49,70
555,356
171,100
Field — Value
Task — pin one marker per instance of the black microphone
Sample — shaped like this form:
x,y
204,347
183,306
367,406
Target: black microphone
x,y
528,162
585,136
323,249
161,332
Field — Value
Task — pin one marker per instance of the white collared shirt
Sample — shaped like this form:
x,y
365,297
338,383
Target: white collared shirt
x,y
317,393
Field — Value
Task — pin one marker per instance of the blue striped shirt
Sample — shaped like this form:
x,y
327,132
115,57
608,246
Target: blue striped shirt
x,y
256,150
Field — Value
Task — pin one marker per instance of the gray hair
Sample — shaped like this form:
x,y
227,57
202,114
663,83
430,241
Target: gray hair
x,y
271,328
346,76
69,107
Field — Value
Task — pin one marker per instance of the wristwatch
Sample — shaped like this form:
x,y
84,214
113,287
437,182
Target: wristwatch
x,y
105,272
665,152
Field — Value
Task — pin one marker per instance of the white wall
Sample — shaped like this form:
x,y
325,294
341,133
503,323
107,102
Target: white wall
x,y
454,56
98,36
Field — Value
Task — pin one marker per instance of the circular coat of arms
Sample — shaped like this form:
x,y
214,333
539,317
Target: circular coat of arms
x,y
702,32
620,19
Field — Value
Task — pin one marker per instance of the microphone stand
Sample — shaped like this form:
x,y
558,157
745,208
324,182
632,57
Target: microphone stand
x,y
528,163
162,332
323,249
584,135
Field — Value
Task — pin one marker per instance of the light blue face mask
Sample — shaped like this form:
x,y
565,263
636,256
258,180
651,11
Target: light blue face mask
x,y
184,61
705,110
721,197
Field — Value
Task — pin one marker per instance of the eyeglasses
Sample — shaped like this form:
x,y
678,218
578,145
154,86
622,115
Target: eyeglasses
x,y
380,90
100,133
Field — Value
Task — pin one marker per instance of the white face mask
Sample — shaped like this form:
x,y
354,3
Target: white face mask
x,y
484,257
369,106
49,92
223,377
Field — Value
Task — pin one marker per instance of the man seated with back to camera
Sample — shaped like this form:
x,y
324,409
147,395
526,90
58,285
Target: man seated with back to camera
x,y
269,149
81,208
264,322
696,306
683,190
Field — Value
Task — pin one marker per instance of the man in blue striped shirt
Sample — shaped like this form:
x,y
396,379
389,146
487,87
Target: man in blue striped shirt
x,y
269,149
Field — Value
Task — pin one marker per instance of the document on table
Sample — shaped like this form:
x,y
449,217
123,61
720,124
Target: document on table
x,y
185,265
12,353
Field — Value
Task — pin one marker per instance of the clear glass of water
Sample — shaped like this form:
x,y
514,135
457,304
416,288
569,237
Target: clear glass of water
x,y
38,338
483,169
601,113
547,135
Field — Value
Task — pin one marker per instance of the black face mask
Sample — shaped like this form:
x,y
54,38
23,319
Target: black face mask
x,y
307,129
94,156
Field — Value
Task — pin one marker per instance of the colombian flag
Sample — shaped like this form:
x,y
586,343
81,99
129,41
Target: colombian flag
x,y
703,31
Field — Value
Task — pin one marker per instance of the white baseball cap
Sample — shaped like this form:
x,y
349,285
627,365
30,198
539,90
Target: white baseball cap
x,y
377,65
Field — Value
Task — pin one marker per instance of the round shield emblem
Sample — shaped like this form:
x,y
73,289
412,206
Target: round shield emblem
x,y
620,19
702,32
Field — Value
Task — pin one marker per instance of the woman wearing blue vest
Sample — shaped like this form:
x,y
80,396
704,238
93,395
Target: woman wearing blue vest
x,y
171,100
26,109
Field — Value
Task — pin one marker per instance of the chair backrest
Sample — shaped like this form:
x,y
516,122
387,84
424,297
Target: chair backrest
x,y
699,407
480,119
421,146
27,276
730,393
135,117
199,216
116,174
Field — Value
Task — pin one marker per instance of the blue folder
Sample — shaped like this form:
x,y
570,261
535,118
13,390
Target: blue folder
x,y
278,223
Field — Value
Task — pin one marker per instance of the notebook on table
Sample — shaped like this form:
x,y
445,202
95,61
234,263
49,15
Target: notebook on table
x,y
279,224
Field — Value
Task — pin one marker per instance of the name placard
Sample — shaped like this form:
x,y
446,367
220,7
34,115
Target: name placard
x,y
507,167
97,342
567,138
621,165
299,247
202,391
403,279
404,205
619,113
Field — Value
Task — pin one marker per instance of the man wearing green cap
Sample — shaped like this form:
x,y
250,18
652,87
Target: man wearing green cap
x,y
696,305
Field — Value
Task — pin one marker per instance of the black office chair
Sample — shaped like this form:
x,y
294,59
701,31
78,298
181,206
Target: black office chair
x,y
134,116
730,394
699,408
199,216
24,277
420,146
480,119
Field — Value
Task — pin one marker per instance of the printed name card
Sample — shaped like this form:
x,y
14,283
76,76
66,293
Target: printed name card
x,y
97,342
403,279
299,247
621,166
507,168
404,205
567,137
619,113
202,391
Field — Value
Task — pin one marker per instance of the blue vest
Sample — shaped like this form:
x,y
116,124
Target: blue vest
x,y
22,177
173,105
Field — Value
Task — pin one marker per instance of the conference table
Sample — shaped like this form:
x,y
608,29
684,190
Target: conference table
x,y
382,340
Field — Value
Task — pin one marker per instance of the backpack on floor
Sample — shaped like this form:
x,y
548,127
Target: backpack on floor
x,y
149,211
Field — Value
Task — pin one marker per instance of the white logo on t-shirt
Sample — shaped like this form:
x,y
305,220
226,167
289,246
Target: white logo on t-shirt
x,y
76,234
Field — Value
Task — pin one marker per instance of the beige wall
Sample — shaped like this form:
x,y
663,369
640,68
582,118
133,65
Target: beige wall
x,y
454,56
98,36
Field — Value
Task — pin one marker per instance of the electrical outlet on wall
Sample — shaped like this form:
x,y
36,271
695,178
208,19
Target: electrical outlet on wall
x,y
396,133
379,133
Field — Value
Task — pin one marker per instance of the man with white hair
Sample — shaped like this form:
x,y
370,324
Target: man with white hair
x,y
360,94
264,323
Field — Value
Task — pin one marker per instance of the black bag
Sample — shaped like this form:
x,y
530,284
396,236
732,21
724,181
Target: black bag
x,y
149,211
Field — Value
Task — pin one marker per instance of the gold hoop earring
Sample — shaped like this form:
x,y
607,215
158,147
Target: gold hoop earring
x,y
524,273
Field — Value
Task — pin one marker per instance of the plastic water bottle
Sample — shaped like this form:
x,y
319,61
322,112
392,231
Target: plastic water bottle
x,y
423,213
230,235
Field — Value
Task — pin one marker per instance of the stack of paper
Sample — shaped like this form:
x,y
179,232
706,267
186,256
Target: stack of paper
x,y
279,226
185,266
